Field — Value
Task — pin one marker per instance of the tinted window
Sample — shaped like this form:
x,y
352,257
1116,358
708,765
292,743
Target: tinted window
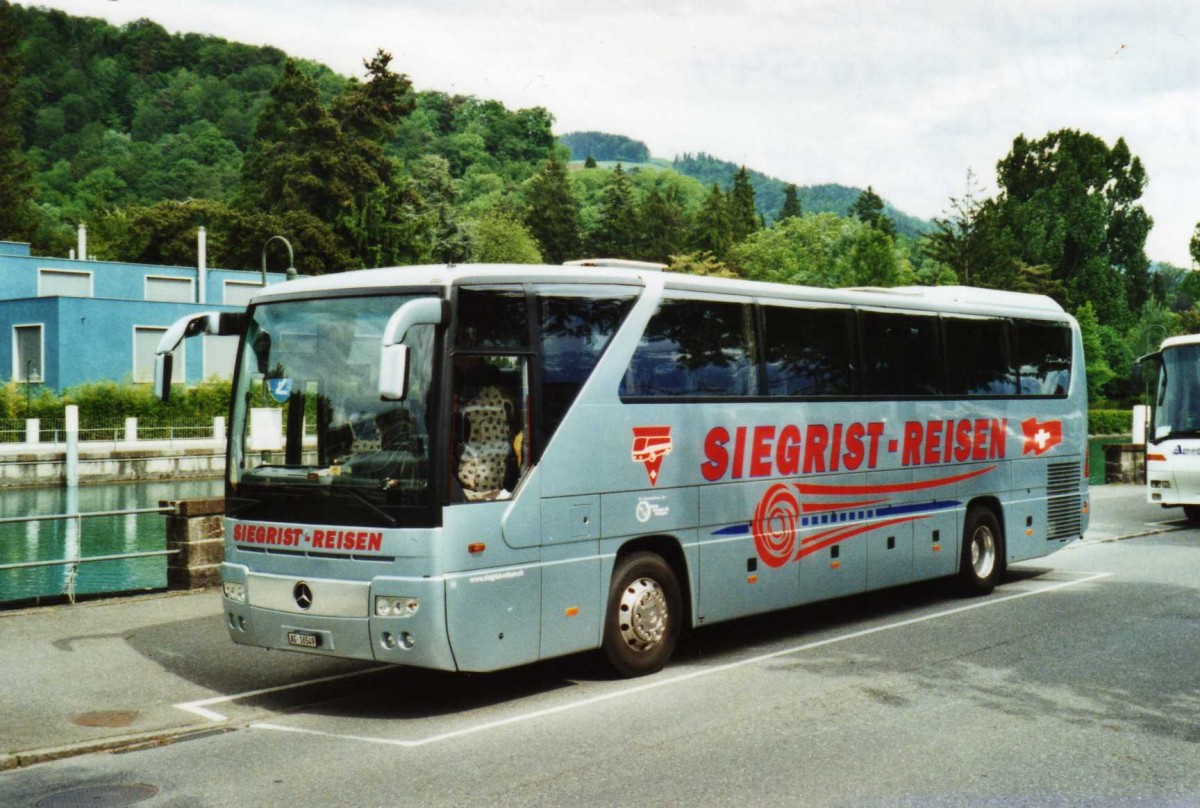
x,y
695,348
492,318
574,332
977,357
808,351
1044,358
900,355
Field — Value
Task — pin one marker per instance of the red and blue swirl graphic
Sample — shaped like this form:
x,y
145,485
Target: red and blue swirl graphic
x,y
780,515
774,526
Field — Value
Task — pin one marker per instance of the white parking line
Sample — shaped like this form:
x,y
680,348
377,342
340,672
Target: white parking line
x,y
200,707
655,683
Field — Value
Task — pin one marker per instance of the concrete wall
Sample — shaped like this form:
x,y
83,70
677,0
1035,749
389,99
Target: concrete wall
x,y
27,465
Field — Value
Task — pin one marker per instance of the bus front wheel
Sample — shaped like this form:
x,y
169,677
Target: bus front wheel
x,y
982,547
644,613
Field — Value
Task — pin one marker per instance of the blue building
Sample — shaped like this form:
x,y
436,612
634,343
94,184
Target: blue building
x,y
67,321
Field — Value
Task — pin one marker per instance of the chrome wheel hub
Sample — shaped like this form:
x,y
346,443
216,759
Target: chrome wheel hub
x,y
643,614
983,552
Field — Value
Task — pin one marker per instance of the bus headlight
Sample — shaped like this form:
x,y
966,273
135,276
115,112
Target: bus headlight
x,y
234,592
392,606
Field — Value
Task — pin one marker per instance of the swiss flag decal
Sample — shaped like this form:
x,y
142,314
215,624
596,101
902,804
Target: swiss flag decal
x,y
1040,436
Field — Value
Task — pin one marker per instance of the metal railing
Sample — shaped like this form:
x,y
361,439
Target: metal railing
x,y
54,430
73,563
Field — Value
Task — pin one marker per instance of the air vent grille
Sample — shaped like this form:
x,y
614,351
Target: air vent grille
x,y
1064,516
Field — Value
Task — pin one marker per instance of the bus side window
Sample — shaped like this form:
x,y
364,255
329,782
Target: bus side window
x,y
700,348
978,359
1044,358
576,327
901,354
809,351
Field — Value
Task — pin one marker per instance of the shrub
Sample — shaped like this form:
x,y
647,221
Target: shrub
x,y
1110,422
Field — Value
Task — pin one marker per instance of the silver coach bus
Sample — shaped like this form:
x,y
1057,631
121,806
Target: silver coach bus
x,y
476,467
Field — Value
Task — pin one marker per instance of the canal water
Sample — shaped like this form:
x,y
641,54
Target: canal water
x,y
96,536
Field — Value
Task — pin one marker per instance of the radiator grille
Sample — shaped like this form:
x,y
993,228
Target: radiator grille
x,y
1064,518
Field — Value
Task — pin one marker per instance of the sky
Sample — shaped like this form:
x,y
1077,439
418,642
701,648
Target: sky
x,y
901,95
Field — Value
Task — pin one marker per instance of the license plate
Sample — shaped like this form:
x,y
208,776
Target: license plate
x,y
304,639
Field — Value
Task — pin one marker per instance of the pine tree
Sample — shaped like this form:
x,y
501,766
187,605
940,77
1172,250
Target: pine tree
x,y
616,231
791,203
663,225
552,212
868,208
710,232
743,219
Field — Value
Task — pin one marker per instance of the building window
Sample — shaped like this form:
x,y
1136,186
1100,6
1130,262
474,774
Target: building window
x,y
28,359
238,293
145,345
220,356
163,289
64,283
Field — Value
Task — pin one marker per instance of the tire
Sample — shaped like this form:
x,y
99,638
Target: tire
x,y
644,615
1192,512
982,563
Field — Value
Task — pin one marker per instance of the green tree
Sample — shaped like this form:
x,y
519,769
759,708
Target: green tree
x,y
868,208
710,228
590,162
1099,373
292,164
791,203
664,224
1069,202
16,194
700,263
616,232
552,212
821,249
743,218
497,238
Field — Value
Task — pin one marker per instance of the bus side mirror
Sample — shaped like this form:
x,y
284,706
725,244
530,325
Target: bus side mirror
x,y
215,323
393,355
393,372
163,363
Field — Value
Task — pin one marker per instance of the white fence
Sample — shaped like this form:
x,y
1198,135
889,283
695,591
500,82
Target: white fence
x,y
35,432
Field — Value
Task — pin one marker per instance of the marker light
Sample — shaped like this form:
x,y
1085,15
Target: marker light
x,y
391,606
234,592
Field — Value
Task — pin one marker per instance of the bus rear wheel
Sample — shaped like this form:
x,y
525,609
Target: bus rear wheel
x,y
982,552
1192,512
642,623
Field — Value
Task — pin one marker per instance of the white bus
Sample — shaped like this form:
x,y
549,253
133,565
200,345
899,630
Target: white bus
x,y
1173,440
476,467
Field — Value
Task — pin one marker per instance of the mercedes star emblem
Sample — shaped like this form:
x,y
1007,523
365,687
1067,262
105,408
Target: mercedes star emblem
x,y
303,595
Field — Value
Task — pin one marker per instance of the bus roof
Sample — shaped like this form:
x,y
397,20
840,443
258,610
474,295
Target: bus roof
x,y
1182,339
931,298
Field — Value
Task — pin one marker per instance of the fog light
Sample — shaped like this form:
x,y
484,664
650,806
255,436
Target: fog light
x,y
234,592
390,606
407,640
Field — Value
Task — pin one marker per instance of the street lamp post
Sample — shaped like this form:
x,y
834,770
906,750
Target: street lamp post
x,y
291,270
32,377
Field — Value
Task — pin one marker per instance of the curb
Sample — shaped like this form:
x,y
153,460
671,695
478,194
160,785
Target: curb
x,y
124,743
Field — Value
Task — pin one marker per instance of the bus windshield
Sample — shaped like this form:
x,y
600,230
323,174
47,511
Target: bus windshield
x,y
309,424
1177,402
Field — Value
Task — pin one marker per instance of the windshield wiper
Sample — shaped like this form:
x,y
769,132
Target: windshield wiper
x,y
361,497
